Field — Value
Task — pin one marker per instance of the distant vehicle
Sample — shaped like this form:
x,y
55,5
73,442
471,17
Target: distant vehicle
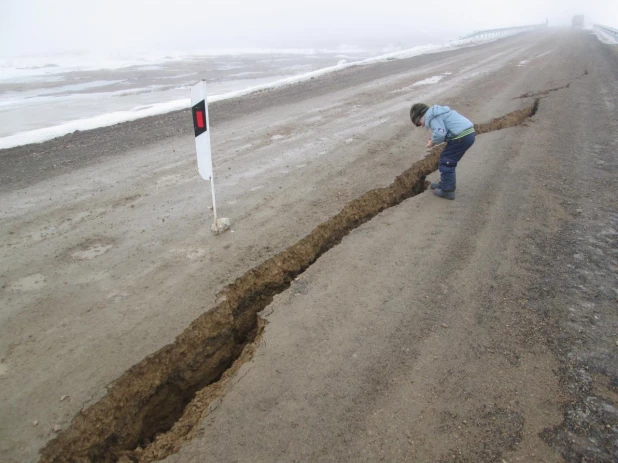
x,y
578,21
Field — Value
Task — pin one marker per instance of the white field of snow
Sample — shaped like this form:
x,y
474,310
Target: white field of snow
x,y
112,118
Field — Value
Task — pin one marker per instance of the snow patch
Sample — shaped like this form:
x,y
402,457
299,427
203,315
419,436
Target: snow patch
x,y
428,81
544,54
103,120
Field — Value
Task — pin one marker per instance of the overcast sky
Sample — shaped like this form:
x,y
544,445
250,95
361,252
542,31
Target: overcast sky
x,y
30,27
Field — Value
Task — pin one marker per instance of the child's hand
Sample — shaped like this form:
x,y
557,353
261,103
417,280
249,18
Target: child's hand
x,y
430,144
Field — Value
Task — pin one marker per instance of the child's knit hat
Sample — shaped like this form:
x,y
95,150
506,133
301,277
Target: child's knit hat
x,y
418,110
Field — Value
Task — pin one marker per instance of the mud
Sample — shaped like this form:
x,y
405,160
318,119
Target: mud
x,y
184,377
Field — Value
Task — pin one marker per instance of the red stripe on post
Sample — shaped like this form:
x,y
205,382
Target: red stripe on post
x,y
199,115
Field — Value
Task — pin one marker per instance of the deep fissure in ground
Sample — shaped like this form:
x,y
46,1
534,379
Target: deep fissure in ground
x,y
149,399
542,93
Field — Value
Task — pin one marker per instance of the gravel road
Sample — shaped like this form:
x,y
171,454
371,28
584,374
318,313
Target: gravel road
x,y
478,330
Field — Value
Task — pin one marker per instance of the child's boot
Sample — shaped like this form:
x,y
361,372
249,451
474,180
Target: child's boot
x,y
435,185
444,194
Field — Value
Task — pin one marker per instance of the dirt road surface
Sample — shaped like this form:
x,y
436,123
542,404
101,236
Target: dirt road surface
x,y
479,330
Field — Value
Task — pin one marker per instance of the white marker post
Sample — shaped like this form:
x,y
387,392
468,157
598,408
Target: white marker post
x,y
199,103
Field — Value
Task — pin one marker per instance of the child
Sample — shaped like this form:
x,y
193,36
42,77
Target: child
x,y
450,126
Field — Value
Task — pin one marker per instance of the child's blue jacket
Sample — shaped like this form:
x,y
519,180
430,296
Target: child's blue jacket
x,y
445,123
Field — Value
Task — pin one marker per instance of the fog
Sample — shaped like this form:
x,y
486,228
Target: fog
x,y
35,27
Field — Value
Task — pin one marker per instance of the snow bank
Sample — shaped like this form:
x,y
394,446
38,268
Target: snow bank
x,y
604,37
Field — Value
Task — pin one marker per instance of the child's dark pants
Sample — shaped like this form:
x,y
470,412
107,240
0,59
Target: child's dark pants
x,y
451,155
